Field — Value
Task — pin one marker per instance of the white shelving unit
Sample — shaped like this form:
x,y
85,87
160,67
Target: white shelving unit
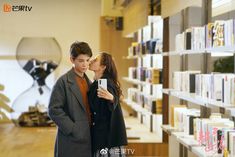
x,y
191,97
188,141
155,126
140,56
137,107
135,81
201,152
169,129
143,55
210,50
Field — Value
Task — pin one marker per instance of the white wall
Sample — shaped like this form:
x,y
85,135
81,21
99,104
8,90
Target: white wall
x,y
66,20
223,8
171,7
107,9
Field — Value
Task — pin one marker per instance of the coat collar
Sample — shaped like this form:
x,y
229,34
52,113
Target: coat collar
x,y
72,75
71,78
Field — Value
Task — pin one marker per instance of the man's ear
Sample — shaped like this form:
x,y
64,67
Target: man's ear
x,y
71,59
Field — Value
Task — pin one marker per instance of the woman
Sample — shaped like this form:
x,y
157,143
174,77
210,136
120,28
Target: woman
x,y
108,131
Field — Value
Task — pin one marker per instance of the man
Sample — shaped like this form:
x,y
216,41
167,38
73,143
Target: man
x,y
69,107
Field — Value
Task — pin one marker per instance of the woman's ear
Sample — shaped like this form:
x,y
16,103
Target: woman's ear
x,y
103,67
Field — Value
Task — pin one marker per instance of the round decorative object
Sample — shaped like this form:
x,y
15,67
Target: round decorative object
x,y
39,57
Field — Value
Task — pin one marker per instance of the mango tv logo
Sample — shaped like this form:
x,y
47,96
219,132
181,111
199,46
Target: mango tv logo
x,y
16,8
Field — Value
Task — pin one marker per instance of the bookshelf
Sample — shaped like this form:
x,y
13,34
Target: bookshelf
x,y
189,144
145,75
182,143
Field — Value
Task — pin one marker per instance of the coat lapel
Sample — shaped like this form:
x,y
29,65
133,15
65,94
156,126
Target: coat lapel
x,y
74,87
88,81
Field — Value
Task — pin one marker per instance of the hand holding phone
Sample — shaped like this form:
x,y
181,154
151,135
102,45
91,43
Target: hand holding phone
x,y
102,90
102,83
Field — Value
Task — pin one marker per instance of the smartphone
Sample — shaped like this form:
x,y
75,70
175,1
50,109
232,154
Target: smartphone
x,y
102,83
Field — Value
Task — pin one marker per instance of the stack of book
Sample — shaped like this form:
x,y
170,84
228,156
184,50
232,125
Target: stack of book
x,y
217,34
132,73
152,103
219,87
216,86
150,61
133,49
152,46
223,33
145,74
182,118
216,134
154,90
149,39
185,81
192,39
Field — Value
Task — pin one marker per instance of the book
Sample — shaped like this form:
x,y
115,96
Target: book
x,y
188,120
198,38
158,29
157,61
172,113
218,30
146,33
231,143
209,35
185,81
152,76
156,91
227,89
216,81
188,40
176,80
179,42
229,32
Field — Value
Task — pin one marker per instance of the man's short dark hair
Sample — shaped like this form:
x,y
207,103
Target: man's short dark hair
x,y
78,48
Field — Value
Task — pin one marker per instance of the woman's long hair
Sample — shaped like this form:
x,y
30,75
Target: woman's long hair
x,y
111,71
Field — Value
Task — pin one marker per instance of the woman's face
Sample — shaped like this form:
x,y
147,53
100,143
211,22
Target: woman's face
x,y
95,64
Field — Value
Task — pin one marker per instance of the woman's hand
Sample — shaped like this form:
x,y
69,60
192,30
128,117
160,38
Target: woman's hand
x,y
102,93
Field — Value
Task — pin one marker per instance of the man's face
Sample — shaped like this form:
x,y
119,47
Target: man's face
x,y
81,63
